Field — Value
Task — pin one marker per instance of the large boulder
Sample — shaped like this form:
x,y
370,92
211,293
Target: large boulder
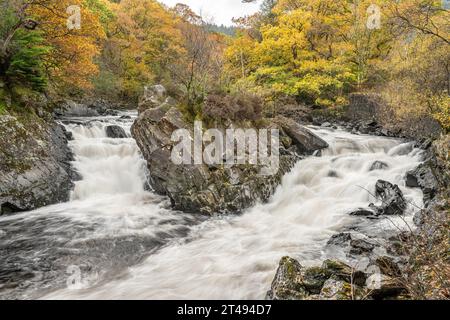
x,y
35,166
306,141
115,132
288,282
200,188
209,188
422,177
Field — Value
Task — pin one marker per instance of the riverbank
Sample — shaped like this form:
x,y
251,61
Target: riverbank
x,y
35,168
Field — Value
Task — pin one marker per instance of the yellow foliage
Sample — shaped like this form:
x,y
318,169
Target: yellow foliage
x,y
71,60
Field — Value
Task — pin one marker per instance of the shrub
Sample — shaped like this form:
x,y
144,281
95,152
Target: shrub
x,y
236,107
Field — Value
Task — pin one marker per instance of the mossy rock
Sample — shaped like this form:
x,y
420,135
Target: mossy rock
x,y
314,279
288,282
340,290
341,271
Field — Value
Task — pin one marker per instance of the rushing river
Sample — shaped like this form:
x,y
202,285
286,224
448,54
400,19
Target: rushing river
x,y
117,240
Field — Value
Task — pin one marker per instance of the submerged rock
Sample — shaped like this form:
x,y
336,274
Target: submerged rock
x,y
34,164
115,132
362,212
379,165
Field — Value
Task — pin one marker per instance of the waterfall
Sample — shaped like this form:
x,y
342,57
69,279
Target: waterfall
x,y
235,257
107,166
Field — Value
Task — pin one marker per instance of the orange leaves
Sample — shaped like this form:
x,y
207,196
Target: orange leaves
x,y
71,60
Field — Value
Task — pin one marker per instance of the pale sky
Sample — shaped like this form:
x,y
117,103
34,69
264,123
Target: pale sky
x,y
220,11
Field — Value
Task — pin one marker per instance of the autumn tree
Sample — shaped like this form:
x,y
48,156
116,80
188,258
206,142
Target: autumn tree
x,y
143,41
200,70
37,45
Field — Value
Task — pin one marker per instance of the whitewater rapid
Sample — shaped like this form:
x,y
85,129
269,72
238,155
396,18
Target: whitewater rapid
x,y
230,257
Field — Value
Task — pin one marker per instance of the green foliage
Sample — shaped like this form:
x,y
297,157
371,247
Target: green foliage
x,y
26,65
102,10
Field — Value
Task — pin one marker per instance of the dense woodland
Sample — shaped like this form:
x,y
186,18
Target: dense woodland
x,y
313,51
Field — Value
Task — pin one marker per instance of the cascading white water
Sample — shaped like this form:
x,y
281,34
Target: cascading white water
x,y
110,223
236,257
108,166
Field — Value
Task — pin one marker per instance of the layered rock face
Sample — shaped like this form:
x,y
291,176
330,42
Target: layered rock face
x,y
206,188
34,164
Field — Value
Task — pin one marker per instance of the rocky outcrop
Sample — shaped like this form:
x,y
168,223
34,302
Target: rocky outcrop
x,y
423,177
334,280
115,132
209,188
34,163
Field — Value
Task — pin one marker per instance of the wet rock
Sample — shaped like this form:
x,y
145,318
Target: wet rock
x,y
379,165
333,174
422,177
424,144
115,132
306,141
361,212
340,239
360,247
326,125
314,278
35,164
110,112
336,290
334,280
288,282
69,135
393,202
341,271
